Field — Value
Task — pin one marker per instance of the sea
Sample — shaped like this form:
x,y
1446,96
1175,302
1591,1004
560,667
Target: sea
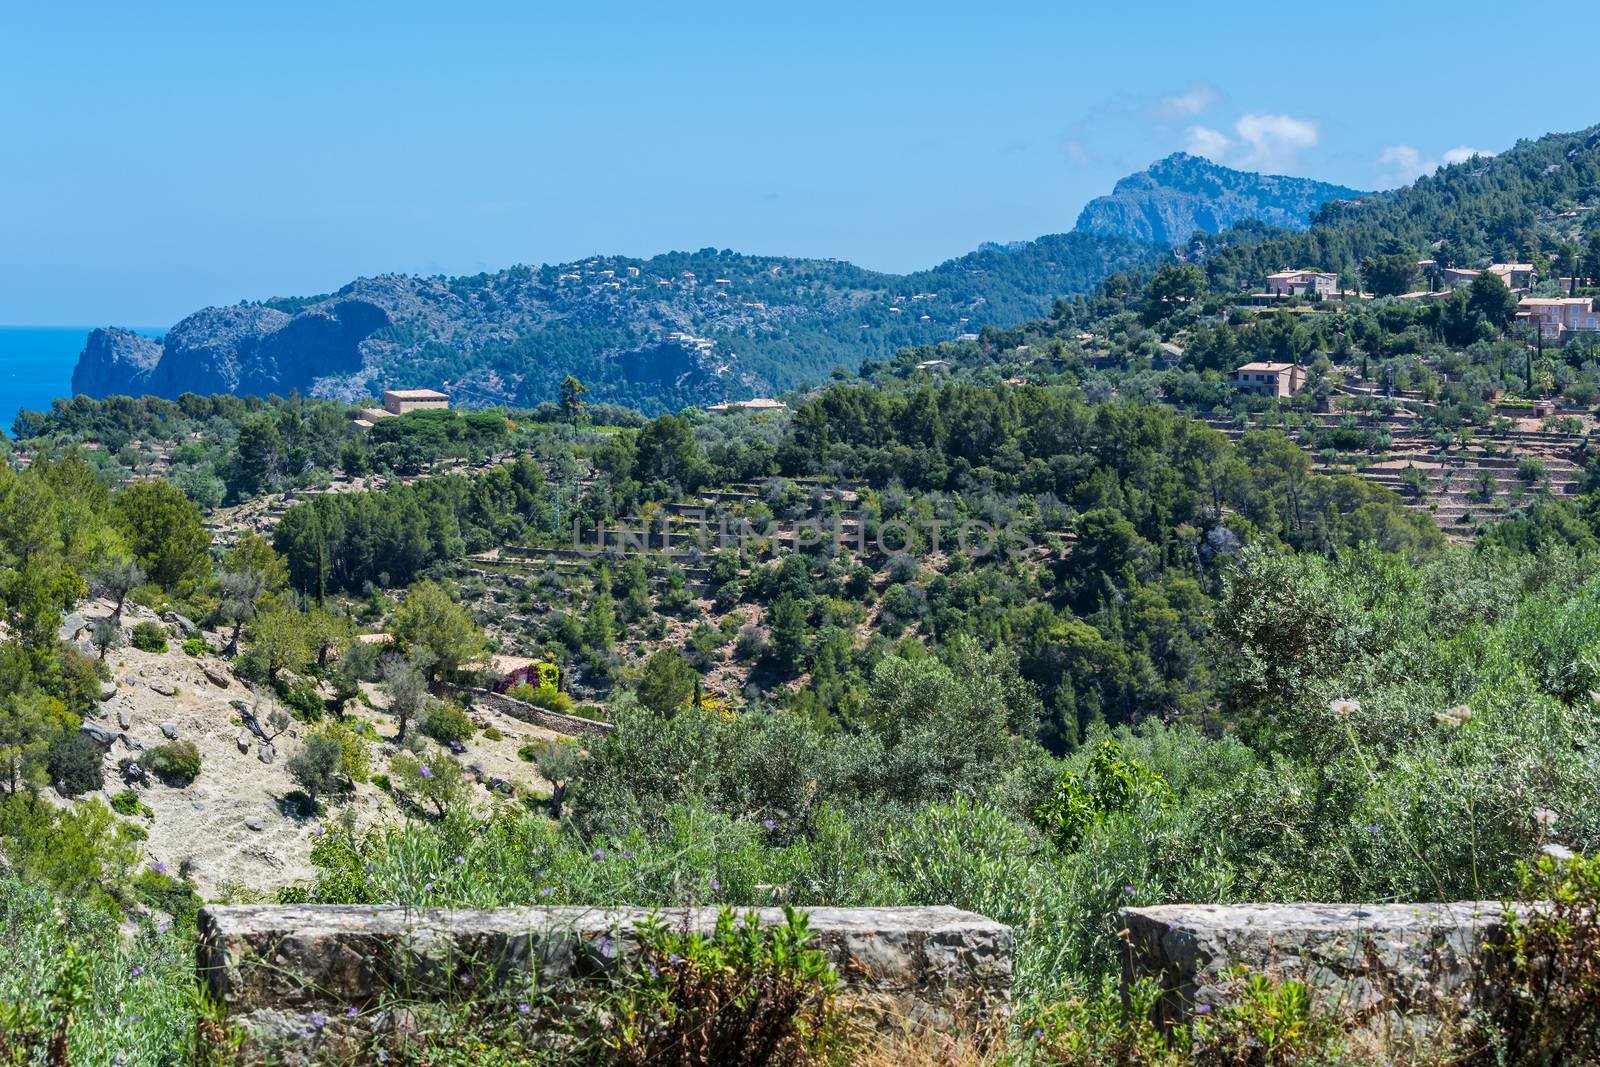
x,y
36,366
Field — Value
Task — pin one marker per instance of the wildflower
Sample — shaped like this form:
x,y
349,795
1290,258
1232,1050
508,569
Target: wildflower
x,y
317,831
460,860
547,890
319,1020
1544,817
1374,828
138,969
163,927
1202,1009
605,944
1130,890
1558,852
599,854
1343,708
1455,716
768,824
715,885
428,888
524,1008
158,867
351,1014
425,770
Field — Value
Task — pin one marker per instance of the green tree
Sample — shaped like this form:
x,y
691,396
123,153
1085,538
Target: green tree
x,y
667,682
116,579
787,621
1389,273
29,724
1491,301
278,641
165,533
572,406
432,629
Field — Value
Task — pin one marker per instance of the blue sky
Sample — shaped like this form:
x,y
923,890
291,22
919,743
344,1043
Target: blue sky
x,y
155,158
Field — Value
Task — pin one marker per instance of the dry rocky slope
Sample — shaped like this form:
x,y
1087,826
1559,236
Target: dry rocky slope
x,y
233,830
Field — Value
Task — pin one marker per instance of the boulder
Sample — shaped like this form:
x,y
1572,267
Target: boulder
x,y
169,731
71,626
124,718
265,752
185,626
98,734
217,678
108,690
254,822
166,689
242,739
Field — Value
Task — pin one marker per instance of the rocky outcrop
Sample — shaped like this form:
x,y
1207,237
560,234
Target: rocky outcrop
x,y
1181,195
289,977
115,360
1398,972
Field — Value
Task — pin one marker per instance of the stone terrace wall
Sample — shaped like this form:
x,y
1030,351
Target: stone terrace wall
x,y
1397,971
288,975
521,709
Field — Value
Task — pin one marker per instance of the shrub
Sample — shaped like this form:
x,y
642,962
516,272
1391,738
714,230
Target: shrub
x,y
547,697
149,637
196,646
127,803
1113,784
74,763
492,734
177,763
1547,969
445,722
738,995
434,782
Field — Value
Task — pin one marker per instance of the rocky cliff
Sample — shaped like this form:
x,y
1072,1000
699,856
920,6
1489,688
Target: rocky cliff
x,y
115,360
1183,194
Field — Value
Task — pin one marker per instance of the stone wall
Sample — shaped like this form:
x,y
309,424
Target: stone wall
x,y
289,976
520,709
1398,972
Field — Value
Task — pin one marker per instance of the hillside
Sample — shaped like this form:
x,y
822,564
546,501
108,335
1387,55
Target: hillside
x,y
1183,194
1530,203
660,333
676,329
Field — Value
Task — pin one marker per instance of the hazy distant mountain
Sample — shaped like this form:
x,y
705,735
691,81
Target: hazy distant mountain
x,y
1177,196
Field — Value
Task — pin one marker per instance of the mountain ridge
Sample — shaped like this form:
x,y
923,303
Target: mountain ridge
x,y
660,333
1182,194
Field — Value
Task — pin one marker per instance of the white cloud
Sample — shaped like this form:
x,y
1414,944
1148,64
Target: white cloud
x,y
1196,101
1204,141
1405,164
1260,142
1274,142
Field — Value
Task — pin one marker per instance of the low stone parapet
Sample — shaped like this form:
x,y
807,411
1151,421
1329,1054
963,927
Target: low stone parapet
x,y
288,977
1394,971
